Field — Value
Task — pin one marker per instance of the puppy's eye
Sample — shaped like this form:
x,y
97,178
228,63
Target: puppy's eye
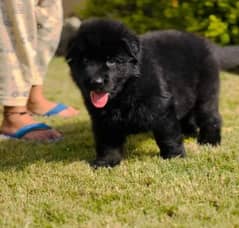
x,y
110,63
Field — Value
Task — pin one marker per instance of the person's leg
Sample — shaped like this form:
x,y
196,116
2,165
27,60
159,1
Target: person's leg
x,y
49,18
17,66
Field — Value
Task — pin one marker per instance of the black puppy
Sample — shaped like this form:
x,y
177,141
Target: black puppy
x,y
166,82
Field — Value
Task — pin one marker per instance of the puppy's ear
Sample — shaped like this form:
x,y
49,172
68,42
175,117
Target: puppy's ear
x,y
132,45
71,50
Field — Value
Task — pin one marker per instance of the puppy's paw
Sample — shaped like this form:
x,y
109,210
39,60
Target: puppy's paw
x,y
180,153
212,138
111,158
104,163
210,141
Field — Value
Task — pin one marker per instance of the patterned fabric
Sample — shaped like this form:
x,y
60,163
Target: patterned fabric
x,y
29,35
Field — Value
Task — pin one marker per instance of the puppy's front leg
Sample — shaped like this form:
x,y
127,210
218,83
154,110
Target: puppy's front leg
x,y
109,147
108,157
168,135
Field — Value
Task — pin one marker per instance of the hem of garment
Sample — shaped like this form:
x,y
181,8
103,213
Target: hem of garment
x,y
37,82
14,101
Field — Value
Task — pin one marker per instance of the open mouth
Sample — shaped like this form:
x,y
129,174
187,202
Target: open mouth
x,y
99,99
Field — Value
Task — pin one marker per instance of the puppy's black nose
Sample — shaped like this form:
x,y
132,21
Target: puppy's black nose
x,y
97,82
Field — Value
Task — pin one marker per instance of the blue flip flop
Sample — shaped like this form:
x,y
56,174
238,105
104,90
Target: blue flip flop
x,y
54,111
26,129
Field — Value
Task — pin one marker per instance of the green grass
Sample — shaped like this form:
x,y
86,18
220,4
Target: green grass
x,y
54,186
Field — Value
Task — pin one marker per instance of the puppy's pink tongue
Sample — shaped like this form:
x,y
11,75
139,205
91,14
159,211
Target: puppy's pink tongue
x,y
99,100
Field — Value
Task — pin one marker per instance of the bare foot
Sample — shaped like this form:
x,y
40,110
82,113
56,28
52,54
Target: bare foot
x,y
16,118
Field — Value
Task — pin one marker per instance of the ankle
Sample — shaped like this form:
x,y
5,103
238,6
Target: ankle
x,y
15,118
36,95
14,109
12,115
32,101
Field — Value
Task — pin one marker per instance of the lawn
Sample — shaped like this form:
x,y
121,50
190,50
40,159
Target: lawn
x,y
54,186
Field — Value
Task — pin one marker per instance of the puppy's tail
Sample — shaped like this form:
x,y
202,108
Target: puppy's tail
x,y
227,57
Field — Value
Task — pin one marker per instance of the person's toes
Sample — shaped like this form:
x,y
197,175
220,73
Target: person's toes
x,y
43,135
69,112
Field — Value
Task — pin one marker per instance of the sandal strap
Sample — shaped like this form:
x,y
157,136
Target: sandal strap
x,y
57,109
29,128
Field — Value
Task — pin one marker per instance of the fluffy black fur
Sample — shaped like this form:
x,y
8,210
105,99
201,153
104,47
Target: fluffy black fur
x,y
166,82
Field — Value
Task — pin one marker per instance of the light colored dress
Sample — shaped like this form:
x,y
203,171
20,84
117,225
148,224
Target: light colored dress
x,y
29,34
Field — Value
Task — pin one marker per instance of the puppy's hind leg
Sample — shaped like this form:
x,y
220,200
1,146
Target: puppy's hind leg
x,y
206,108
169,137
209,121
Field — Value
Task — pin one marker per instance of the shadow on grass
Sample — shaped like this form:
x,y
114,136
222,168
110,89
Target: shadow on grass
x,y
78,145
